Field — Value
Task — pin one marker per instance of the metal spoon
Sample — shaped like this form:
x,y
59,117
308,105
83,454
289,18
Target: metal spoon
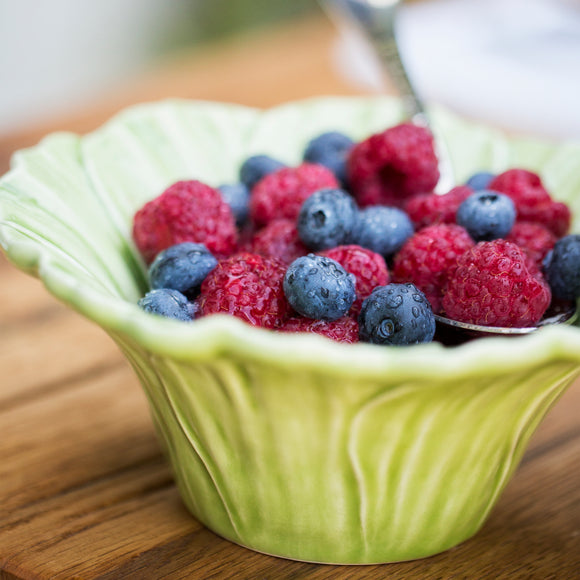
x,y
566,316
375,19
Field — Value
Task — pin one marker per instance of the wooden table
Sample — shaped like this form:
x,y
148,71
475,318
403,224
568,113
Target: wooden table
x,y
84,490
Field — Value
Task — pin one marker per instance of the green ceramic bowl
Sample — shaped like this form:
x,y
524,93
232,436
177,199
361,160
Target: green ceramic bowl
x,y
288,444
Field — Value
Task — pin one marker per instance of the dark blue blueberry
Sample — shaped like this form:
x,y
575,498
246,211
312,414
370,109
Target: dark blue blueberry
x,y
330,149
256,167
562,268
237,196
382,229
396,314
169,303
319,288
182,267
327,219
480,180
487,215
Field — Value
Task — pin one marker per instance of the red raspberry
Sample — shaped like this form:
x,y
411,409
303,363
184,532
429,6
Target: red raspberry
x,y
388,167
426,209
248,286
344,329
187,211
279,239
535,239
493,286
368,267
280,194
429,257
532,200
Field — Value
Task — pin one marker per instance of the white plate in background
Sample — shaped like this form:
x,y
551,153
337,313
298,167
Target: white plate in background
x,y
512,63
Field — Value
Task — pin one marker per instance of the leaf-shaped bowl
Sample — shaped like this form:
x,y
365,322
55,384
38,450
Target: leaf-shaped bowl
x,y
292,445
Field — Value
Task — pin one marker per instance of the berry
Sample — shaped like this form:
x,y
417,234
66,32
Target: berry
x,y
182,267
237,196
480,180
535,239
429,257
562,268
318,287
368,267
247,286
382,229
254,168
187,211
330,149
169,303
494,286
396,314
279,239
282,193
487,215
327,219
344,329
388,167
426,209
533,202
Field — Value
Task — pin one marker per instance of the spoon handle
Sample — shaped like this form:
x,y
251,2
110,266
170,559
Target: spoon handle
x,y
376,20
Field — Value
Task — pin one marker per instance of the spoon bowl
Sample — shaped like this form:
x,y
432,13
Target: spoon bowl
x,y
448,327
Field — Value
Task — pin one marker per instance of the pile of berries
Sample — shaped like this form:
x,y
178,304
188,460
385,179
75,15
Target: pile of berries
x,y
353,244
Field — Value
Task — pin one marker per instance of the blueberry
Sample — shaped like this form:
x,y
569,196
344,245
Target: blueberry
x,y
327,219
169,303
562,268
382,229
396,314
487,215
330,149
256,167
182,267
480,180
318,287
237,196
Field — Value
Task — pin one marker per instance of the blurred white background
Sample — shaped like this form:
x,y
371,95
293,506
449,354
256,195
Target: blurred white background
x,y
60,55
57,54
512,63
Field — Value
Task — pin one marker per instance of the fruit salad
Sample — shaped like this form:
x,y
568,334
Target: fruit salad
x,y
353,244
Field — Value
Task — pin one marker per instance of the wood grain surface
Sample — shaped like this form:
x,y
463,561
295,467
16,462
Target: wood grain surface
x,y
84,490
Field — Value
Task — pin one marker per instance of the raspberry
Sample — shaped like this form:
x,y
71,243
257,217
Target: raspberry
x,y
344,329
249,287
535,239
493,286
428,208
279,239
368,267
429,257
388,167
282,193
532,200
187,211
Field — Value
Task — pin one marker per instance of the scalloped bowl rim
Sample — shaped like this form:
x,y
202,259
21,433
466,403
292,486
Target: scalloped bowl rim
x,y
221,335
